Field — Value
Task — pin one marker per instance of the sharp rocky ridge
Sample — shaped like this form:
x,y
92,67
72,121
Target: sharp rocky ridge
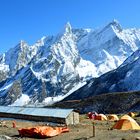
x,y
56,66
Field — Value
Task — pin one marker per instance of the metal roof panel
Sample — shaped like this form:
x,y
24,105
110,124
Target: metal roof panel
x,y
50,112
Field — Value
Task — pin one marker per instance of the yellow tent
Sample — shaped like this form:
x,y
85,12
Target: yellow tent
x,y
101,117
126,123
113,117
126,117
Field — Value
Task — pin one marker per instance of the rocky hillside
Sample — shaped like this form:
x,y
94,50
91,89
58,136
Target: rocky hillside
x,y
105,103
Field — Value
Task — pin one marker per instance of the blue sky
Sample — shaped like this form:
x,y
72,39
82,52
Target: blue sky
x,y
29,20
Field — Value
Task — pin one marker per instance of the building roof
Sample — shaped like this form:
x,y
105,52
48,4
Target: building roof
x,y
48,112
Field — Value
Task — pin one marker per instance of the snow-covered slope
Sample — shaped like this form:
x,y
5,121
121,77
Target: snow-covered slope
x,y
56,66
124,78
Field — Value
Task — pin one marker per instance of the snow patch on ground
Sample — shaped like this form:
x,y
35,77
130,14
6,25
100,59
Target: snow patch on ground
x,y
23,100
112,87
88,68
52,100
4,67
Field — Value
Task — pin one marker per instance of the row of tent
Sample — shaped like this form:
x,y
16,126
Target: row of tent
x,y
102,117
126,122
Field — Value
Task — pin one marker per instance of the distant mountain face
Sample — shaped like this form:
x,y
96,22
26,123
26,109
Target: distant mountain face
x,y
108,47
124,78
56,66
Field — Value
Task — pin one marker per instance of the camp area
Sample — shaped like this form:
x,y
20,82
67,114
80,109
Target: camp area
x,y
81,131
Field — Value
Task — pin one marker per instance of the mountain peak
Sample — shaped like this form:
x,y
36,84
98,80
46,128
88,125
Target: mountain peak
x,y
114,21
115,25
41,41
68,27
22,43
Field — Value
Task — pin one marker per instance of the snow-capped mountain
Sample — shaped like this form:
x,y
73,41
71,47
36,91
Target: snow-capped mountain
x,y
53,69
56,66
15,59
109,46
123,79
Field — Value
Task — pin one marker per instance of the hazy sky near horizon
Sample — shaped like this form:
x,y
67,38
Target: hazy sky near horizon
x,y
29,20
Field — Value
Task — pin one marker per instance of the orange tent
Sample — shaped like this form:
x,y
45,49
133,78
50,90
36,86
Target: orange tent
x,y
113,117
131,114
42,131
101,117
126,123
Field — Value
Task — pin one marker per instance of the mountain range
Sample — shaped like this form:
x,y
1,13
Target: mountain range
x,y
74,64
